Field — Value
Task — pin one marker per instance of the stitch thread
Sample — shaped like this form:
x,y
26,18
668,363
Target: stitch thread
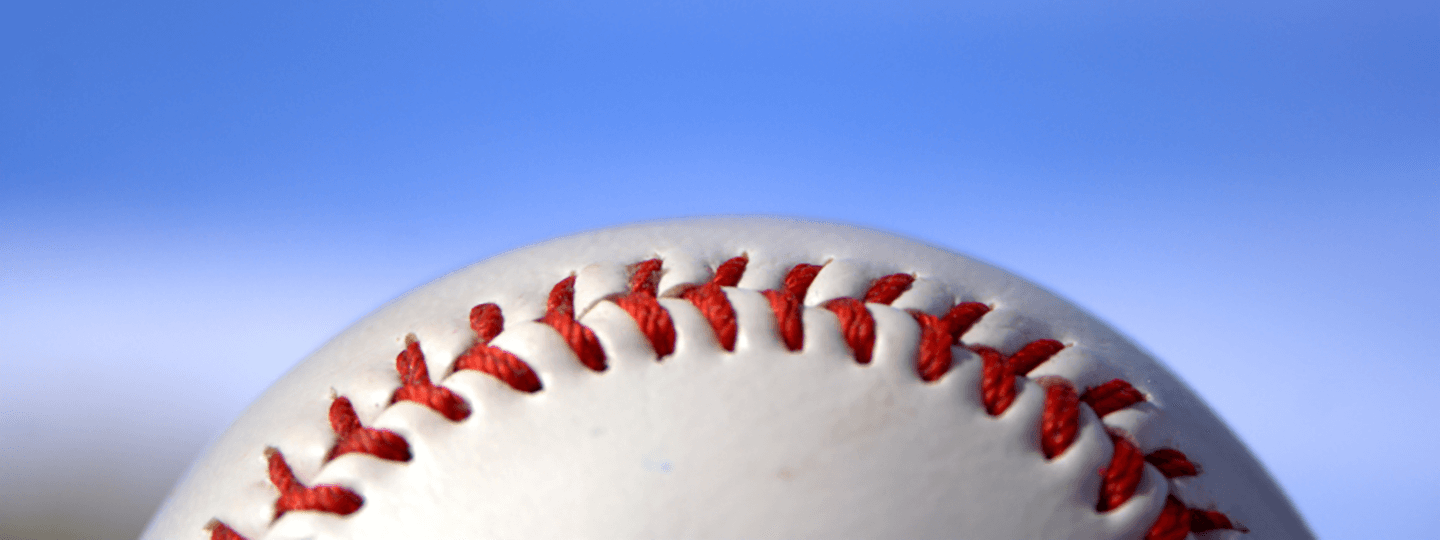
x,y
1111,396
643,306
798,280
961,317
856,325
415,384
560,315
1033,354
296,496
1059,423
1119,479
1209,520
353,437
934,356
1172,463
787,318
220,531
997,382
713,304
886,289
1173,523
788,302
487,322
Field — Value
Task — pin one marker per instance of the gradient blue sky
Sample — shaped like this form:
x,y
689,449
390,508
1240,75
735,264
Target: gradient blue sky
x,y
193,195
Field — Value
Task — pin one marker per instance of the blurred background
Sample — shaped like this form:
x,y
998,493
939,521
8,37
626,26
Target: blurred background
x,y
195,194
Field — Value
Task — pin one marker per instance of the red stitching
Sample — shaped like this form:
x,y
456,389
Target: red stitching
x,y
798,280
645,277
886,289
788,302
1173,523
787,308
415,384
642,306
728,274
487,322
353,437
713,304
1059,423
1111,396
1119,479
999,372
1176,521
934,356
961,317
856,325
326,498
1209,520
560,315
1033,354
221,531
1172,463
997,382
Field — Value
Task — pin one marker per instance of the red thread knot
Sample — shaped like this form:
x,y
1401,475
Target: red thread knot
x,y
560,315
416,386
487,322
326,498
353,437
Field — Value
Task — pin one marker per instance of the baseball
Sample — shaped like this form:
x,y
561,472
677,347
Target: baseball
x,y
728,378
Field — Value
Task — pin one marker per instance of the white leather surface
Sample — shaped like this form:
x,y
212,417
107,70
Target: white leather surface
x,y
758,443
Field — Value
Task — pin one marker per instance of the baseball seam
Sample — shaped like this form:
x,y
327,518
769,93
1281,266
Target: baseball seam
x,y
1000,375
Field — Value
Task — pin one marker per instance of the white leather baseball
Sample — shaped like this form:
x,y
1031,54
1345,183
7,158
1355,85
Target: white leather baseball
x,y
756,442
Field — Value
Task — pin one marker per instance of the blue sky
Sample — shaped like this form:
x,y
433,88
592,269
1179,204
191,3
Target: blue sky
x,y
193,195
